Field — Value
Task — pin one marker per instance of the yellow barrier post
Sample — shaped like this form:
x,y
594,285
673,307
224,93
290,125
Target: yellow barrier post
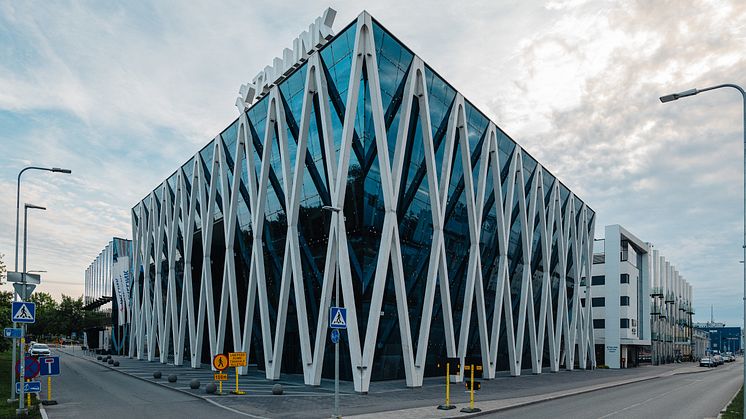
x,y
471,408
448,405
49,401
448,384
28,396
471,393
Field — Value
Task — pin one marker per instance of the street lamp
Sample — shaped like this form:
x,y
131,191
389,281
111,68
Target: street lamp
x,y
15,296
335,414
692,92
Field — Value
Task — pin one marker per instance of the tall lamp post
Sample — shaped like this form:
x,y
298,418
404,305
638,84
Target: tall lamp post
x,y
692,92
15,296
335,414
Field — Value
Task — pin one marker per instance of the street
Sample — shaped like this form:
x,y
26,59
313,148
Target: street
x,y
86,389
679,396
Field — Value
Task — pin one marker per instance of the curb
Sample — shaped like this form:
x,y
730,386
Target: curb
x,y
238,412
725,408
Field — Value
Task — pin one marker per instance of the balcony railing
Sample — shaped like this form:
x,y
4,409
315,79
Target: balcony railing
x,y
656,292
670,298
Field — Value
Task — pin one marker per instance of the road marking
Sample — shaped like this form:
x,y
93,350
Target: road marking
x,y
645,401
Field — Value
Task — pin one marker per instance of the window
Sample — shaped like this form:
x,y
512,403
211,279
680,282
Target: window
x,y
624,279
623,300
598,302
598,280
599,323
624,323
582,302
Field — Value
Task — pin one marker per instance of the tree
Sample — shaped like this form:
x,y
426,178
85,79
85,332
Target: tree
x,y
6,298
46,315
70,315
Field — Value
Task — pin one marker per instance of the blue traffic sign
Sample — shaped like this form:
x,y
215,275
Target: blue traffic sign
x,y
29,387
23,312
335,336
13,332
338,318
50,365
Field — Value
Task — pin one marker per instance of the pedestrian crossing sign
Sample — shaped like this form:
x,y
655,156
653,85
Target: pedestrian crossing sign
x,y
338,318
23,312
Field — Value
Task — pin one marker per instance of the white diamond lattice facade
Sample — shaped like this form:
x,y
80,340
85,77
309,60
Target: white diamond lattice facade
x,y
450,239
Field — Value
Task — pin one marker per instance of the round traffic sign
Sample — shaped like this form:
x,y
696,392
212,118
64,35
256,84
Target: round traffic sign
x,y
335,336
220,362
31,367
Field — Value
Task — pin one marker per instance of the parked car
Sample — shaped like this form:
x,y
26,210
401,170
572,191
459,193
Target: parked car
x,y
718,360
706,362
39,349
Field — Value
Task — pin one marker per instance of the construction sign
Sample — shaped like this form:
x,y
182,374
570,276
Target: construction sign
x,y
237,359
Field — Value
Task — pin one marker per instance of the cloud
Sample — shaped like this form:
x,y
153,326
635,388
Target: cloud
x,y
124,93
670,173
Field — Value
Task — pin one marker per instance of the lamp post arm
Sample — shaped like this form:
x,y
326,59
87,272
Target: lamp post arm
x,y
18,197
720,86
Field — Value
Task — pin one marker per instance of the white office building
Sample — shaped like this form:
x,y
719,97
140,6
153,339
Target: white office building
x,y
641,305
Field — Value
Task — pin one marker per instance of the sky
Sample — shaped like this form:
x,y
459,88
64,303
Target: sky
x,y
122,93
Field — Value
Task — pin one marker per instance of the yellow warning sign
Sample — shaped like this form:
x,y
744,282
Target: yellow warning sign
x,y
237,359
219,376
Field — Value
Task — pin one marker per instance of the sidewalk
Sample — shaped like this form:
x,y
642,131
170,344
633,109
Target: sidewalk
x,y
387,398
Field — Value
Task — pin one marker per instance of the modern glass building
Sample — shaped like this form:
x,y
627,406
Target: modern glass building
x,y
107,297
361,163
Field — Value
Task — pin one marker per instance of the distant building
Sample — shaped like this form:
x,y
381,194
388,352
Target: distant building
x,y
640,303
700,343
721,338
106,297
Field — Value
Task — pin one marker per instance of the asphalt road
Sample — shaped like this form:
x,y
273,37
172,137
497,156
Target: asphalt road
x,y
88,390
680,396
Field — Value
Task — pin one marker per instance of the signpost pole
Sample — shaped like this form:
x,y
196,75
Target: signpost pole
x,y
49,388
14,345
21,371
336,351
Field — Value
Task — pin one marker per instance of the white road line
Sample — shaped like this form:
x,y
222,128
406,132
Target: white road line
x,y
648,400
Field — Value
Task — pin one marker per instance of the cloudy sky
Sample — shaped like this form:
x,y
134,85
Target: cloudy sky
x,y
122,93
